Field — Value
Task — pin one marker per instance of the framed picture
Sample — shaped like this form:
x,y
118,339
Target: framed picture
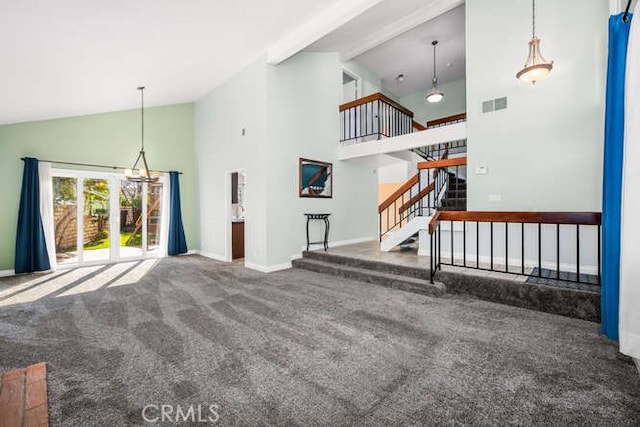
x,y
316,178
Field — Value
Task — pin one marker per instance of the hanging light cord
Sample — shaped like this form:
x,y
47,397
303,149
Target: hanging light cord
x,y
434,43
141,89
533,13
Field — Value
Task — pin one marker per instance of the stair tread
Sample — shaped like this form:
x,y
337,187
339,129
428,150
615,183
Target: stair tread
x,y
401,270
391,280
376,272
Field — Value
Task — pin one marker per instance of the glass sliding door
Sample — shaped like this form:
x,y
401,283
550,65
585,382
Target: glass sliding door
x,y
154,216
65,219
101,217
96,236
130,243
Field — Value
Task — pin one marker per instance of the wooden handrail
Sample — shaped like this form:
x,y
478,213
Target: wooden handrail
x,y
415,199
417,125
375,97
581,218
399,192
434,220
454,118
444,163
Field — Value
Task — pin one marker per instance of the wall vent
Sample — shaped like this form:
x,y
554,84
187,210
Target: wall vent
x,y
494,105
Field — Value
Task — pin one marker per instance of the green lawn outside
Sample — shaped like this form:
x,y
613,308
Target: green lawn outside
x,y
104,243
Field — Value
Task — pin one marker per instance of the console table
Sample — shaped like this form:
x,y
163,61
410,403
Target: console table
x,y
323,217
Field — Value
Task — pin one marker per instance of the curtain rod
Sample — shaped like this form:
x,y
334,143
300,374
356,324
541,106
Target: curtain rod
x,y
89,164
625,17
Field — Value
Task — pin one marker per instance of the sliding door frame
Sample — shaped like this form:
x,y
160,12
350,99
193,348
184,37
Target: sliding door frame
x,y
113,180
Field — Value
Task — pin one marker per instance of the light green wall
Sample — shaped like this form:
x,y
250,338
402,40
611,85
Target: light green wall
x,y
454,102
544,152
289,111
111,139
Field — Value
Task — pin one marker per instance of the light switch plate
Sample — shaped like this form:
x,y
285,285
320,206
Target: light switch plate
x,y
495,198
481,170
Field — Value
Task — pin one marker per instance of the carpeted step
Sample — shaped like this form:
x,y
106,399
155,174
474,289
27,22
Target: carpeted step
x,y
457,185
456,193
568,302
394,281
379,266
454,204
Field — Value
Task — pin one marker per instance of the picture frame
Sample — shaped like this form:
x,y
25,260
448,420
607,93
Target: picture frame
x,y
316,179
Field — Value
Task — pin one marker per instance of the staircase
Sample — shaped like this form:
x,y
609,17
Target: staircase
x,y
455,197
439,185
410,279
503,289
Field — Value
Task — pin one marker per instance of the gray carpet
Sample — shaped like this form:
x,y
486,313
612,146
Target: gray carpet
x,y
302,348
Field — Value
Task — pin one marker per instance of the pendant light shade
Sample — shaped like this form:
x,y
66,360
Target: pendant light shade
x,y
141,173
435,94
536,67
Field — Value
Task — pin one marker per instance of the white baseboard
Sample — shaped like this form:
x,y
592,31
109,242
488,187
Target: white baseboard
x,y
320,246
252,266
212,256
7,273
268,268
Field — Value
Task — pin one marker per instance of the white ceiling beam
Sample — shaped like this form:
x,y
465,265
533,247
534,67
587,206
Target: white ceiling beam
x,y
433,9
321,25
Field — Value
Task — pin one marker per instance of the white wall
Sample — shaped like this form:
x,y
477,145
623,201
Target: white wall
x,y
544,151
399,171
454,102
369,81
288,111
304,94
220,117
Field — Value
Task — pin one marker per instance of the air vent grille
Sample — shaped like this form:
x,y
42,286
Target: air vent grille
x,y
494,105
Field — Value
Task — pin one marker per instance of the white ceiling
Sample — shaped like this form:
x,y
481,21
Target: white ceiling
x,y
72,57
377,17
394,37
411,54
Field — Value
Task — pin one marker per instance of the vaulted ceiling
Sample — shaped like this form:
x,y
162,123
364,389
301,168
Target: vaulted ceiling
x,y
411,54
74,57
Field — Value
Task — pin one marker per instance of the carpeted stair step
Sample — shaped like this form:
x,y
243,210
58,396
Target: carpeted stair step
x,y
454,204
457,185
394,281
380,266
456,193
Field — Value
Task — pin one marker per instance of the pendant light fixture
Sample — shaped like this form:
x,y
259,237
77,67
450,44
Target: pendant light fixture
x,y
143,173
536,67
435,94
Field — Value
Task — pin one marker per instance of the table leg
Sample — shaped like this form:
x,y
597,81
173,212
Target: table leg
x,y
326,234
